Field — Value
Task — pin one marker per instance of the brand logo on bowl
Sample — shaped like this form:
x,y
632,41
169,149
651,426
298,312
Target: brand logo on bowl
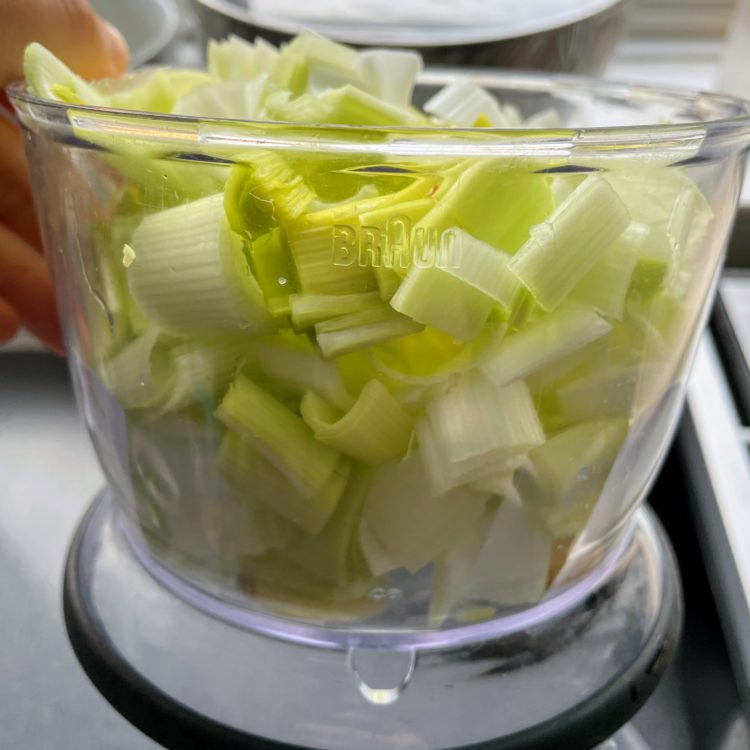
x,y
398,244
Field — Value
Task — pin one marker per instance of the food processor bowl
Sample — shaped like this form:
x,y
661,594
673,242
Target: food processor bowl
x,y
385,384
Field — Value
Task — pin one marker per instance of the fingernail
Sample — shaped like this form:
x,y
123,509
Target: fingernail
x,y
116,46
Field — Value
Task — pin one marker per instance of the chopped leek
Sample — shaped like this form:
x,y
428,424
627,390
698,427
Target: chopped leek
x,y
246,467
440,299
462,103
510,567
324,262
334,554
238,100
566,475
235,59
281,437
274,271
389,74
200,372
553,337
562,249
606,285
309,309
190,274
262,193
138,376
375,430
403,525
301,371
472,427
494,202
361,329
484,267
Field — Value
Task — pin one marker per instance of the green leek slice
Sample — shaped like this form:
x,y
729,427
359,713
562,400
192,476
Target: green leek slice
x,y
438,298
309,309
245,466
263,192
375,430
362,329
281,437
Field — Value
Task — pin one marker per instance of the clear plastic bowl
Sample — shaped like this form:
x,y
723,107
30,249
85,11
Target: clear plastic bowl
x,y
373,472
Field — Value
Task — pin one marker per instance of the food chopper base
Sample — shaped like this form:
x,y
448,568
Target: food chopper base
x,y
567,674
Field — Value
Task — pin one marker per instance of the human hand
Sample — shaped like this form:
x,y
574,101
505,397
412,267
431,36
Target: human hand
x,y
92,48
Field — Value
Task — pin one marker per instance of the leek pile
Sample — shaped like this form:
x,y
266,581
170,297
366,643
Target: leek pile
x,y
395,365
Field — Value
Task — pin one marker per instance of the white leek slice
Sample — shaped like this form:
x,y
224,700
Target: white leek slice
x,y
474,427
238,100
605,286
436,297
463,102
353,106
563,249
201,371
545,119
308,309
553,337
279,435
498,483
190,274
509,569
151,89
565,476
247,469
611,392
405,525
234,58
49,78
302,371
375,430
326,64
138,376
484,267
361,329
390,74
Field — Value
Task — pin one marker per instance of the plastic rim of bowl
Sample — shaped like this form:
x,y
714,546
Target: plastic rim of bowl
x,y
727,117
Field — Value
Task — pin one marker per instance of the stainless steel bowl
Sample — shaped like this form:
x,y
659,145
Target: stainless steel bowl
x,y
578,38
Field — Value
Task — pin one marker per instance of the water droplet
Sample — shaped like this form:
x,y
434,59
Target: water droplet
x,y
381,675
282,280
142,382
393,594
377,594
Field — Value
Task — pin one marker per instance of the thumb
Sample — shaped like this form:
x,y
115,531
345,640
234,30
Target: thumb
x,y
70,29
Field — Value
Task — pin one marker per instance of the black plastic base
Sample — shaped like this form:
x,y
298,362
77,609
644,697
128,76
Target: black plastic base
x,y
173,723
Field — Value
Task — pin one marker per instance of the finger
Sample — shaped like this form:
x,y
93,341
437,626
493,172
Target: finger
x,y
69,28
9,321
16,204
25,284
